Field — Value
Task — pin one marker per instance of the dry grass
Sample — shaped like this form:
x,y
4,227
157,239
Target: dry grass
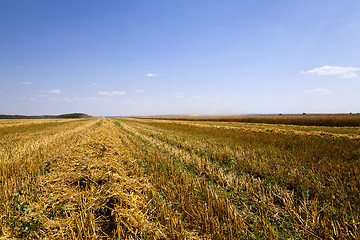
x,y
165,179
305,185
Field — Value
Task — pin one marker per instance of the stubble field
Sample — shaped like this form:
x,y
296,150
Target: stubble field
x,y
132,178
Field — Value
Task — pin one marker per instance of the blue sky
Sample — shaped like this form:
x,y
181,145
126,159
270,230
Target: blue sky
x,y
179,57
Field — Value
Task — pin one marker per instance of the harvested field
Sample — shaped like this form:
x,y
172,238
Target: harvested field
x,y
131,178
339,120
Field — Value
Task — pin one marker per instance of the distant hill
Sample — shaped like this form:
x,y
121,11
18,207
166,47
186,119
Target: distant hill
x,y
74,115
69,115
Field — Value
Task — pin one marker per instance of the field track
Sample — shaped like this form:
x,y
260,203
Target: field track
x,y
132,178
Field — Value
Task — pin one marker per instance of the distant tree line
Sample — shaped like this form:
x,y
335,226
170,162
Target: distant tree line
x,y
69,115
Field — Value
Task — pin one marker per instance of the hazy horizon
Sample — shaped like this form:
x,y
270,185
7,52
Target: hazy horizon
x,y
121,58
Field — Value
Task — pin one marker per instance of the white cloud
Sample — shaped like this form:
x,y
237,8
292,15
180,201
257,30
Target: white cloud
x,y
139,90
342,72
179,95
91,84
54,91
61,99
153,74
66,99
81,99
321,91
197,97
113,93
26,83
28,99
